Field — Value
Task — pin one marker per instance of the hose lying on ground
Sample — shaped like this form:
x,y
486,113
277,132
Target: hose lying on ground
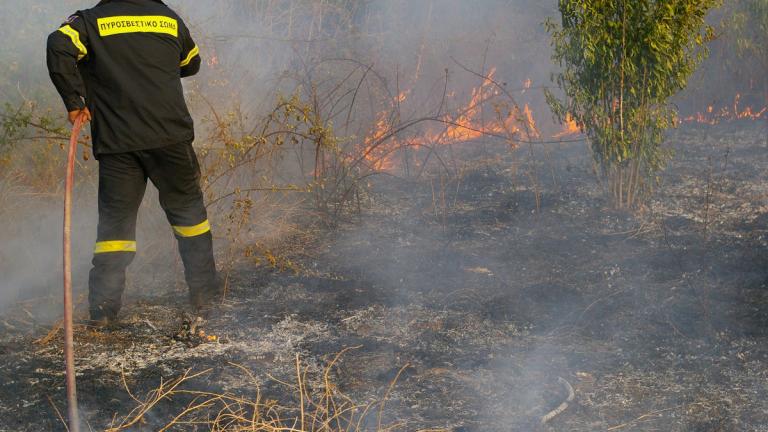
x,y
563,406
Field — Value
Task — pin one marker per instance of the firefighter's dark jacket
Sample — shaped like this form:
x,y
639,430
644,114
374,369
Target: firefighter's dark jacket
x,y
130,55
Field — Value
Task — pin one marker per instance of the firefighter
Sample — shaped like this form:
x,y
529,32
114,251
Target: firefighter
x,y
119,65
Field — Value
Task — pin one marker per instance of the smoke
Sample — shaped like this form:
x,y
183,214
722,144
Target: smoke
x,y
30,257
255,49
31,252
538,278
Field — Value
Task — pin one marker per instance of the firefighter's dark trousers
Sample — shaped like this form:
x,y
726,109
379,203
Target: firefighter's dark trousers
x,y
175,172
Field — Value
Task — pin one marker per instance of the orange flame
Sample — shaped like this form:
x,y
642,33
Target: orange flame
x,y
530,122
463,125
375,153
570,128
727,114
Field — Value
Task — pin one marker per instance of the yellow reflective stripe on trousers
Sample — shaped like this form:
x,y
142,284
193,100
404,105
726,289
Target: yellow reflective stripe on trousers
x,y
192,231
75,37
195,51
115,246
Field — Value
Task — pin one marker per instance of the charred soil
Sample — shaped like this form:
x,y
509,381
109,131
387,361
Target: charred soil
x,y
493,290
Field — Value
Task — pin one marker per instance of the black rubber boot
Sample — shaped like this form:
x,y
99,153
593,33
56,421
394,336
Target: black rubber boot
x,y
106,284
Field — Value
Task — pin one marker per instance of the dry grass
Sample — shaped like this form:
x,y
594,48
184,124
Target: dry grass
x,y
320,408
8,191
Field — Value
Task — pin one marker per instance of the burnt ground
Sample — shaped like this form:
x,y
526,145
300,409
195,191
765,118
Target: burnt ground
x,y
658,320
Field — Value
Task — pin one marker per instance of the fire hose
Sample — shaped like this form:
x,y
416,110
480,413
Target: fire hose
x,y
69,348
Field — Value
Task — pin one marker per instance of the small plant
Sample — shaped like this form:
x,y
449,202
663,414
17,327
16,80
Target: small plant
x,y
621,62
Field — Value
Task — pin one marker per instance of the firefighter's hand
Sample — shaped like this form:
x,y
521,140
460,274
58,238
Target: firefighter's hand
x,y
73,115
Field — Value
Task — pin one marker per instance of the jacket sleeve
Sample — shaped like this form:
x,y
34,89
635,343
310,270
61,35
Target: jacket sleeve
x,y
190,53
68,46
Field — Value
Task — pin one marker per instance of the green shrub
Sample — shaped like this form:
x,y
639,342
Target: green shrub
x,y
621,62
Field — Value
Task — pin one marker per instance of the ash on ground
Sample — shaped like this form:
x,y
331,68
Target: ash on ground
x,y
495,287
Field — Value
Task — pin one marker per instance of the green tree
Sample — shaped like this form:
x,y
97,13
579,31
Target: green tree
x,y
621,61
750,20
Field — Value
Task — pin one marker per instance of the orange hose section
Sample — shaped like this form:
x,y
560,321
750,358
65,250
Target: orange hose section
x,y
69,348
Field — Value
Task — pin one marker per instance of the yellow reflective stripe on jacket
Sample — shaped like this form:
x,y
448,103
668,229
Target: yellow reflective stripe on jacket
x,y
115,246
195,51
115,25
192,231
75,36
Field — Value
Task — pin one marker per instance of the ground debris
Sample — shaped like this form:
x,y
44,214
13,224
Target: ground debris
x,y
657,320
192,332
